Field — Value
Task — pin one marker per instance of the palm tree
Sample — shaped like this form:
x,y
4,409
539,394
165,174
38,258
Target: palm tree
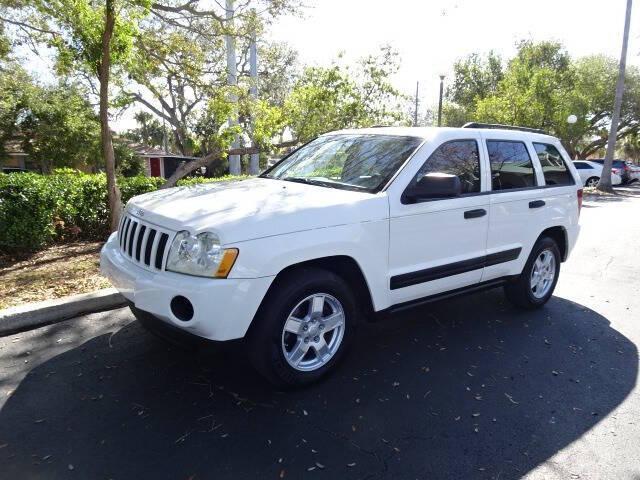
x,y
604,185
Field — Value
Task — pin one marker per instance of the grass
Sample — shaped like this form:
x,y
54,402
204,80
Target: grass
x,y
55,272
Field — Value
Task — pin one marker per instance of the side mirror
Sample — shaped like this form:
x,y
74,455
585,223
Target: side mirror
x,y
433,185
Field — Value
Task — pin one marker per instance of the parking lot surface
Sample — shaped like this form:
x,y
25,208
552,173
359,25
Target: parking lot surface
x,y
465,388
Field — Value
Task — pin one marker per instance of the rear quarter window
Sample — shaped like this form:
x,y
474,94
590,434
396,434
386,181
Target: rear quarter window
x,y
554,168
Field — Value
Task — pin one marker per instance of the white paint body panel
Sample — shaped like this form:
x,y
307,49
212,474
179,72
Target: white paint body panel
x,y
276,224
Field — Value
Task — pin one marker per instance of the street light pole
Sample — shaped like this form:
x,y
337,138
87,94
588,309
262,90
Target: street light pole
x,y
415,112
440,101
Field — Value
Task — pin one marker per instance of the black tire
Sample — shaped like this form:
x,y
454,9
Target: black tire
x,y
519,291
265,337
592,179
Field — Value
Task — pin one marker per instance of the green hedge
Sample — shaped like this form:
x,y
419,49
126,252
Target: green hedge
x,y
36,210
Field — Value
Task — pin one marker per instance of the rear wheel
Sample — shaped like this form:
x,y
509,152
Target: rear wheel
x,y
304,328
592,182
538,279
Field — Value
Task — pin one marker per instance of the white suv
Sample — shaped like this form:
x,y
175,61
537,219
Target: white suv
x,y
354,224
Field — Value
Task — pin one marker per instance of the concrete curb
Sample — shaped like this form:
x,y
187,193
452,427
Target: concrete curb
x,y
39,314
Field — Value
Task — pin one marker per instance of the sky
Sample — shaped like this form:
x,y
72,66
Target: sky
x,y
431,34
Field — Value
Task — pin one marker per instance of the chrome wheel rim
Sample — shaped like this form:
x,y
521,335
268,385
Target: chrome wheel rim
x,y
313,332
592,182
543,273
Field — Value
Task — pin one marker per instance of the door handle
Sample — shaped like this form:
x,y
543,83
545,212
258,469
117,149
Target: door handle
x,y
537,204
480,212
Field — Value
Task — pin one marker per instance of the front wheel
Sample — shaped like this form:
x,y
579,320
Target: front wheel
x,y
538,279
304,328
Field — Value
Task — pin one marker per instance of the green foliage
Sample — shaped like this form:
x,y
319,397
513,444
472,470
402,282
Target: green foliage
x,y
128,164
474,78
36,210
16,93
60,128
333,98
539,88
26,221
531,91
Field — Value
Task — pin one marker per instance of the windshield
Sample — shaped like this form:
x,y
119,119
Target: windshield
x,y
347,161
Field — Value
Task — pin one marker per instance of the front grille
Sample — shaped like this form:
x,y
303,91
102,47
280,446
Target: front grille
x,y
143,243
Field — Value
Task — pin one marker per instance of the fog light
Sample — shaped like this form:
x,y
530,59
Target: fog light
x,y
182,308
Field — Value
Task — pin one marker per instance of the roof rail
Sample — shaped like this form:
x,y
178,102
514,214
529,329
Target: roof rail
x,y
497,126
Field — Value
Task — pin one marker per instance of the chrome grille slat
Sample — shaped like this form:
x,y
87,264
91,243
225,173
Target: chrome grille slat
x,y
162,248
143,243
123,242
134,242
120,223
132,232
140,241
154,249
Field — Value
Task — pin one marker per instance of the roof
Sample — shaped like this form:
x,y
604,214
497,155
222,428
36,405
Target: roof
x,y
153,152
428,133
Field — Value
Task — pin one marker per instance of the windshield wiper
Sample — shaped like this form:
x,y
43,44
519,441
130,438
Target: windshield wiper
x,y
303,180
321,183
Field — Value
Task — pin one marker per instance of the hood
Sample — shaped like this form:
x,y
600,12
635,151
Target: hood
x,y
256,208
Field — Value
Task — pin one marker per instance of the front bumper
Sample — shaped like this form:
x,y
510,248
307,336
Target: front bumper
x,y
223,308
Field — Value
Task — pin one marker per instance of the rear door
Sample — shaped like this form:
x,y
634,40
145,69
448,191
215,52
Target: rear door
x,y
517,210
438,244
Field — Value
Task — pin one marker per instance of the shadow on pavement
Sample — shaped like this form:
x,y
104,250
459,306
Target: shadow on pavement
x,y
622,193
469,388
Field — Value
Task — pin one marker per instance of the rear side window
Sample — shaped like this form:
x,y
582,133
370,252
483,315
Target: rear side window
x,y
457,157
553,167
511,165
582,166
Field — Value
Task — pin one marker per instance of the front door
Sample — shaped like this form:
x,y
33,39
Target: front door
x,y
439,244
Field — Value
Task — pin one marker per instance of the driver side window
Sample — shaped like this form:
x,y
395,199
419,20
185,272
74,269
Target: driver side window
x,y
457,157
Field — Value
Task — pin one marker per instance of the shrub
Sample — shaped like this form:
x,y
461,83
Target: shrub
x,y
39,209
26,212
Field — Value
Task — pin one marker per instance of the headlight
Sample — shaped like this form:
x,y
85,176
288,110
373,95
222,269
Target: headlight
x,y
200,255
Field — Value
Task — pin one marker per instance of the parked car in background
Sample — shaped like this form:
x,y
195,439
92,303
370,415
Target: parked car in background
x,y
634,172
619,167
353,225
590,173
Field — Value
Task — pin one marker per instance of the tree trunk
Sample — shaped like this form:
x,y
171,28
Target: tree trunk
x,y
187,167
604,185
113,193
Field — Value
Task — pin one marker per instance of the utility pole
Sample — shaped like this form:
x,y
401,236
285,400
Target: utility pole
x,y
415,112
604,184
254,163
440,101
232,81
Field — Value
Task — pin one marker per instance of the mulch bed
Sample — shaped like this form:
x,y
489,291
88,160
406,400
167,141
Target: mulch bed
x,y
55,272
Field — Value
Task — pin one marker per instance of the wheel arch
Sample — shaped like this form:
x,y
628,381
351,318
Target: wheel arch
x,y
559,235
342,265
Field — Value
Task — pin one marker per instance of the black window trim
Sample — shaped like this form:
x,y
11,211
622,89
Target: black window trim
x,y
535,173
403,198
564,162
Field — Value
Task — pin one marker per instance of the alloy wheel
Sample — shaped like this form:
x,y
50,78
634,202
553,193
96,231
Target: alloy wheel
x,y
543,273
313,332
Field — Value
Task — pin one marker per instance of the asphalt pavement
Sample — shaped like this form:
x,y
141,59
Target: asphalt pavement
x,y
466,388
